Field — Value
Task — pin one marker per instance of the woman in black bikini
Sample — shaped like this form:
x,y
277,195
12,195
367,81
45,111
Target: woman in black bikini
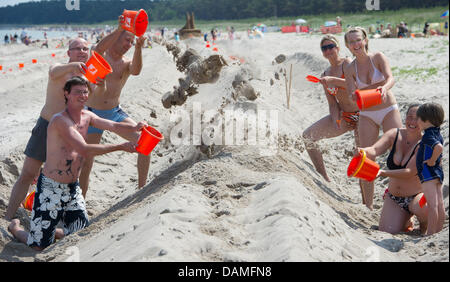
x,y
401,199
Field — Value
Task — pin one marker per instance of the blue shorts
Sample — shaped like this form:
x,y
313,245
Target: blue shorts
x,y
115,114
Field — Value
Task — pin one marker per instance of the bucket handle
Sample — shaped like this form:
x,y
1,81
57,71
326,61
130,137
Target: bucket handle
x,y
361,162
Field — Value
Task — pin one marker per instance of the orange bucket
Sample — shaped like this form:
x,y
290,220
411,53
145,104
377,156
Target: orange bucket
x,y
422,201
29,200
363,167
368,98
148,140
96,67
135,21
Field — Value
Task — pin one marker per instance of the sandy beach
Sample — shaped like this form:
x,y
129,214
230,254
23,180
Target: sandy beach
x,y
238,202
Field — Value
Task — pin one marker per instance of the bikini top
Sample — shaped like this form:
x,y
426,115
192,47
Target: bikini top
x,y
334,90
377,77
390,160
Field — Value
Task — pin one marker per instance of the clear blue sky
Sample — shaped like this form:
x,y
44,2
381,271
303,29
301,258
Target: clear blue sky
x,y
4,3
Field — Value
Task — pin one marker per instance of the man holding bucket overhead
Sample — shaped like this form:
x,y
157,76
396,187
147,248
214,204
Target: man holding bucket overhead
x,y
54,102
106,102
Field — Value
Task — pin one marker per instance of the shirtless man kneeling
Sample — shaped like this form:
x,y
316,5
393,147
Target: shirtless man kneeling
x,y
35,151
58,195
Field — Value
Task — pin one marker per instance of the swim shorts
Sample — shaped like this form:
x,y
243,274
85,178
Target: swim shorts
x,y
55,202
115,114
37,144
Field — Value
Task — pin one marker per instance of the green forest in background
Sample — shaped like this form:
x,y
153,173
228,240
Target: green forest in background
x,y
245,11
414,17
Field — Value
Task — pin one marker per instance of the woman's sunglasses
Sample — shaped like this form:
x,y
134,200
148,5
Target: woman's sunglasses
x,y
327,47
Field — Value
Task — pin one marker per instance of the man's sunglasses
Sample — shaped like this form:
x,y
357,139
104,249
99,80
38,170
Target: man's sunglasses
x,y
327,47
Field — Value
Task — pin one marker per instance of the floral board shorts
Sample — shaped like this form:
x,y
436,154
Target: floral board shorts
x,y
55,202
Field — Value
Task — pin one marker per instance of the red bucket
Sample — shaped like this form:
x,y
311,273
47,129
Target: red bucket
x,y
96,67
148,140
363,167
422,201
368,98
29,200
135,21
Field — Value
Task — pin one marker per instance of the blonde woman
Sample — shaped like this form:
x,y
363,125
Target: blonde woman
x,y
370,71
404,190
343,114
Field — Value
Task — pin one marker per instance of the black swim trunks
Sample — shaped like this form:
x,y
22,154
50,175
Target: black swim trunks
x,y
55,202
37,144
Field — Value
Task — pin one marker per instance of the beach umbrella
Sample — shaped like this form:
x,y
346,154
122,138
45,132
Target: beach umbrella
x,y
445,14
300,21
330,23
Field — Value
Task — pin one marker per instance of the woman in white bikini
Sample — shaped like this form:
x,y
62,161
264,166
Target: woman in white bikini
x,y
370,71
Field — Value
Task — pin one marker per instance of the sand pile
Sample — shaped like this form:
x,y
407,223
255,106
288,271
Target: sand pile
x,y
198,71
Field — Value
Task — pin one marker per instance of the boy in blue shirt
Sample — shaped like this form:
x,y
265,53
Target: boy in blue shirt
x,y
430,117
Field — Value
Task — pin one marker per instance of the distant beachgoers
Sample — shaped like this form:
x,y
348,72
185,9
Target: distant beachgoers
x,y
36,34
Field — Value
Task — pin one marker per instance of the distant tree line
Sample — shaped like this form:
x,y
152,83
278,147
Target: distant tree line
x,y
95,11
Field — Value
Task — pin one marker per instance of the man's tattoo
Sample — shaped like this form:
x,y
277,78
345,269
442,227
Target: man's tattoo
x,y
68,171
